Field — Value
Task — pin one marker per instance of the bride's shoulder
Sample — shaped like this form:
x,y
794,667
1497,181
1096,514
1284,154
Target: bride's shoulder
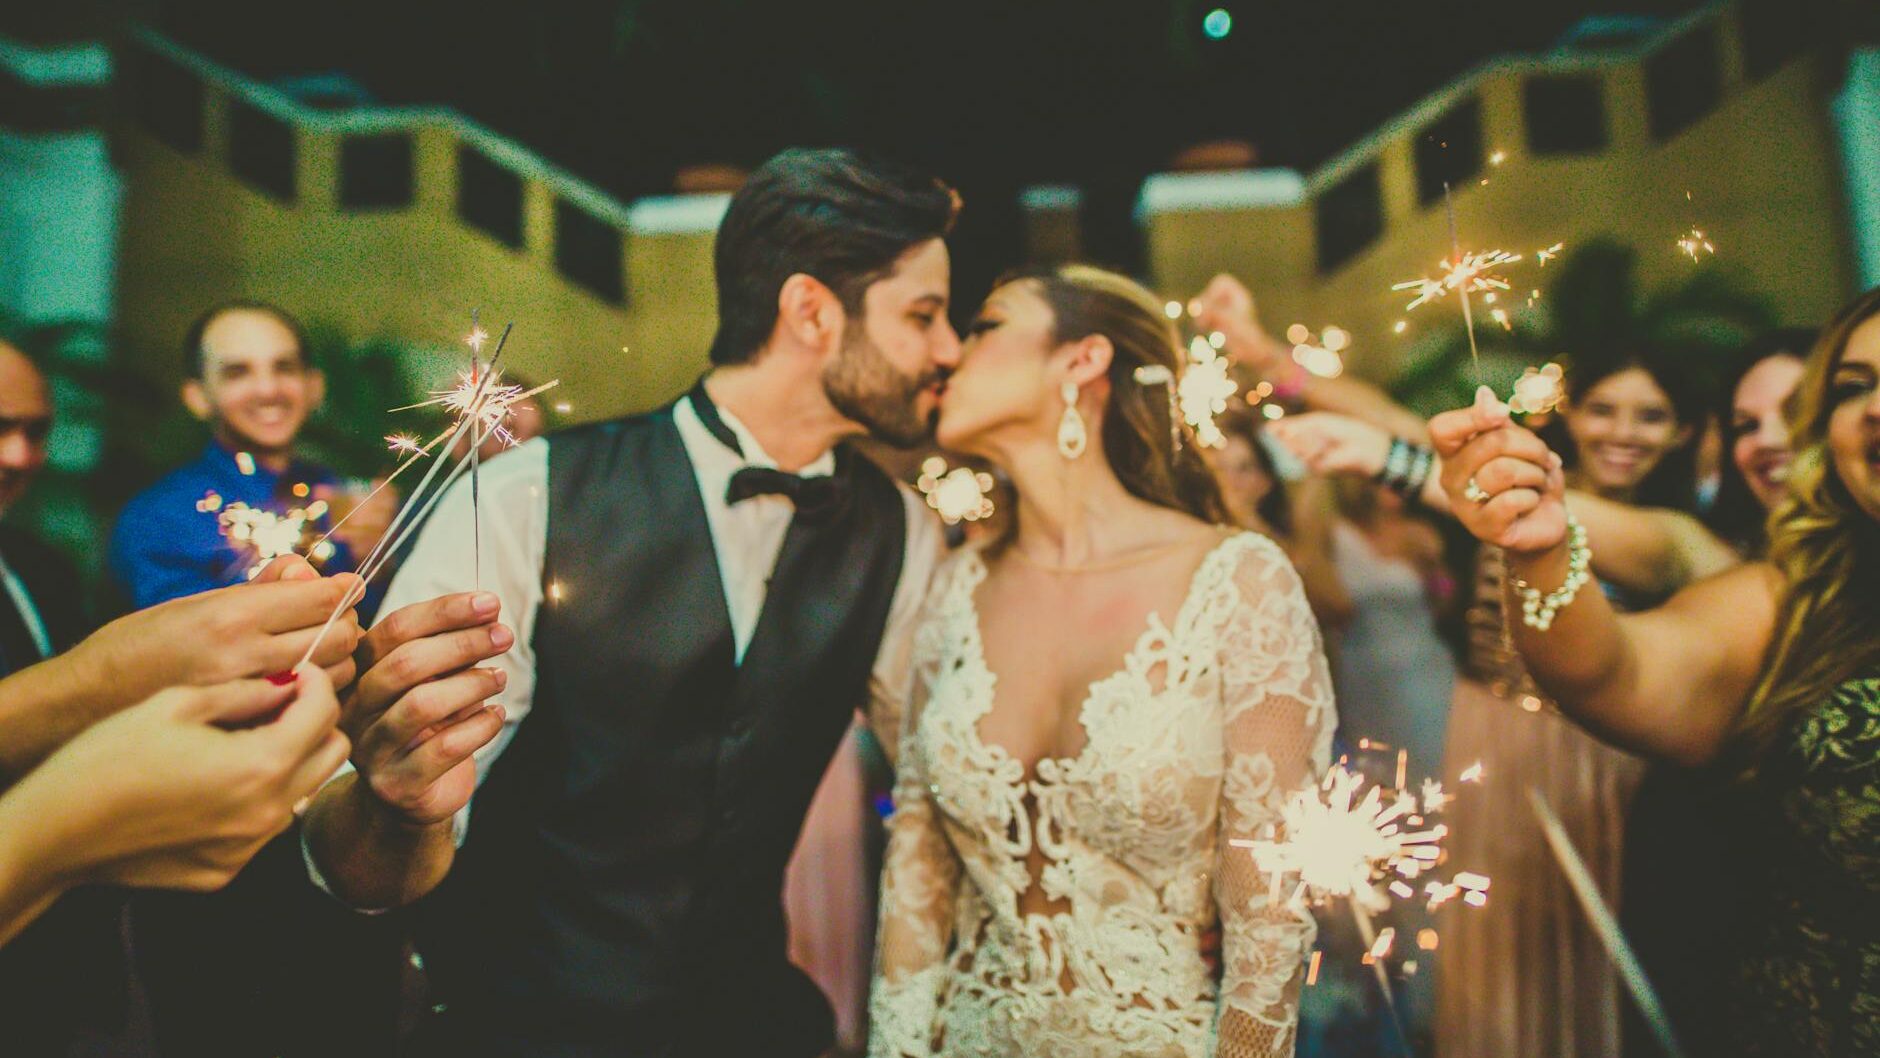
x,y
1255,559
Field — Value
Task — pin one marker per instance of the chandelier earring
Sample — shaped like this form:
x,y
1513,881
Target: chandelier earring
x,y
1072,438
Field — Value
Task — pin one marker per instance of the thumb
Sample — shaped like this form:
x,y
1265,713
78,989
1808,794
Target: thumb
x,y
287,567
1489,411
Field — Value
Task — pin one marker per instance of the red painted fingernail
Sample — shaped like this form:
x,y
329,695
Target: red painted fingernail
x,y
282,679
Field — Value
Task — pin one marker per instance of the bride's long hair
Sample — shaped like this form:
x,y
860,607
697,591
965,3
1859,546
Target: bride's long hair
x,y
1138,437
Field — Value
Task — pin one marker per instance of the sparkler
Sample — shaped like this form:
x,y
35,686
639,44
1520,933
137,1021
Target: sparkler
x,y
1539,390
1203,390
960,494
481,405
263,533
1604,924
1694,241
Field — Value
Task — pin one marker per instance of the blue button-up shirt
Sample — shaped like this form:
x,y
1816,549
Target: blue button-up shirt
x,y
165,546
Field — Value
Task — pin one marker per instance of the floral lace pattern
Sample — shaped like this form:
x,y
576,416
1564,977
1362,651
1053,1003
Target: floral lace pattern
x,y
1210,722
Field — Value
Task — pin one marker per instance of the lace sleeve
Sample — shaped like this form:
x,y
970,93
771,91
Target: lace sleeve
x,y
1278,718
919,877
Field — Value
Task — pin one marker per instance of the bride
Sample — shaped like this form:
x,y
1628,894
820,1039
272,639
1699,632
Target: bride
x,y
1104,700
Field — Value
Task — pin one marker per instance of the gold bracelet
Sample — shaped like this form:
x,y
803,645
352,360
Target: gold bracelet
x,y
1538,610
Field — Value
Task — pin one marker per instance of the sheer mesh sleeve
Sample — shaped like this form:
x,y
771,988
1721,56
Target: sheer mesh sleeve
x,y
1278,718
919,878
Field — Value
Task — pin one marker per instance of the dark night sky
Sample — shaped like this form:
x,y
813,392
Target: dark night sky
x,y
996,94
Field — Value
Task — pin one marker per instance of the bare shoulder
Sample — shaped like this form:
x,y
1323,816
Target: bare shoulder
x,y
1737,595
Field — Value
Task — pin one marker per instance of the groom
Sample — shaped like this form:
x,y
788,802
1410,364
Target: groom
x,y
701,597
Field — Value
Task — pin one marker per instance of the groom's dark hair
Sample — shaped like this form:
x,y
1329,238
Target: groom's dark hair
x,y
841,216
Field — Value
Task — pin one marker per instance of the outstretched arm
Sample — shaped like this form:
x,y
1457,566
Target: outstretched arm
x,y
1671,682
1227,306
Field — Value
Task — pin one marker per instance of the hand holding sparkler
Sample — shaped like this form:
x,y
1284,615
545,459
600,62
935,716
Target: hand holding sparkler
x,y
419,711
1504,484
1227,307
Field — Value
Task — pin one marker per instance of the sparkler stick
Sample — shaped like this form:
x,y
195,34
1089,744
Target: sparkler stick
x,y
1604,924
402,525
1369,932
1455,254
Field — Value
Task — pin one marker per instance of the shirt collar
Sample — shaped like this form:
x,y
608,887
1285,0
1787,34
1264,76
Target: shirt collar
x,y
749,451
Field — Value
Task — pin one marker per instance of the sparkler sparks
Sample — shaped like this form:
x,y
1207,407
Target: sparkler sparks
x,y
1539,390
959,494
1203,390
263,534
1471,273
1342,839
1695,242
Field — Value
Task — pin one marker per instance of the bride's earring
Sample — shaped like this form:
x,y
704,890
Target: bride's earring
x,y
1072,438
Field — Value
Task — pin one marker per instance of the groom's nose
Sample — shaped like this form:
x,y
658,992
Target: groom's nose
x,y
946,346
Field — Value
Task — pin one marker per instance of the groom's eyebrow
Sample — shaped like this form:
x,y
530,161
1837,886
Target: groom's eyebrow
x,y
934,301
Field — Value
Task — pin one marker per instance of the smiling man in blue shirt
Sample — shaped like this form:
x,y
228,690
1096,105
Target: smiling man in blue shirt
x,y
250,379
267,966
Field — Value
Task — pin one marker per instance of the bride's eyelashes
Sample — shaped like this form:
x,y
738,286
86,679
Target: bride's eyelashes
x,y
981,326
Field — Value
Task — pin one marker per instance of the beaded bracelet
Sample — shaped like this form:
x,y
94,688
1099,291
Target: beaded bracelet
x,y
1538,610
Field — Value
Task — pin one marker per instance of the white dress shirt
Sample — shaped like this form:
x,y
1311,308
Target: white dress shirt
x,y
746,536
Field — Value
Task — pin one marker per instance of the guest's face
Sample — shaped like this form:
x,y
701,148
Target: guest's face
x,y
25,422
1854,421
1622,428
1244,480
894,357
256,389
1758,428
1003,387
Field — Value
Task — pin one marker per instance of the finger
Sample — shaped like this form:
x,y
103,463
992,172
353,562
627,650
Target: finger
x,y
309,718
234,703
411,664
1511,505
1453,429
428,618
1502,473
286,567
432,704
453,745
287,606
336,644
318,767
1507,441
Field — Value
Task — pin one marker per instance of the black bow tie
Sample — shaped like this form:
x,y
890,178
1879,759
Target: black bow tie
x,y
816,497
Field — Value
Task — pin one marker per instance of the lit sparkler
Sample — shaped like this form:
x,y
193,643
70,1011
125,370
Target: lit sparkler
x,y
959,494
264,534
1539,390
1695,242
1203,390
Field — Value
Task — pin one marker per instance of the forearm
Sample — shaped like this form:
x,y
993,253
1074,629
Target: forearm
x,y
369,857
1585,661
29,883
44,706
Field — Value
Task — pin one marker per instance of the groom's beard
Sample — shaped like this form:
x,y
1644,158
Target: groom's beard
x,y
864,387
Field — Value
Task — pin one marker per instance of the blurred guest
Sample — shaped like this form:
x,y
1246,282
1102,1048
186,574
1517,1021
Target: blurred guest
x,y
213,963
41,612
1772,670
249,376
113,806
1687,822
1298,514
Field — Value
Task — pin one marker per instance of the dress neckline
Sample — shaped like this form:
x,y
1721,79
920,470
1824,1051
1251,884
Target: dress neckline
x,y
1154,628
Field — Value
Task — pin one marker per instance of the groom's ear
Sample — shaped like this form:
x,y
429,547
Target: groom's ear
x,y
810,313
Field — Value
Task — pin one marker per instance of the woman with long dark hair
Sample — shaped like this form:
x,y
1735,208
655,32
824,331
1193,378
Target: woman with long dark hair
x,y
1104,699
1772,668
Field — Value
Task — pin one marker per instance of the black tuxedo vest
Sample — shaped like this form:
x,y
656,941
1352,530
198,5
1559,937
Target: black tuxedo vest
x,y
619,889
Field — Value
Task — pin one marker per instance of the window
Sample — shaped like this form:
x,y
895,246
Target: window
x,y
1350,217
489,197
588,251
261,150
375,172
1564,115
1449,151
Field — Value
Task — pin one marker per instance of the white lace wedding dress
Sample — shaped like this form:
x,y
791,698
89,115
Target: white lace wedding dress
x,y
1198,738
